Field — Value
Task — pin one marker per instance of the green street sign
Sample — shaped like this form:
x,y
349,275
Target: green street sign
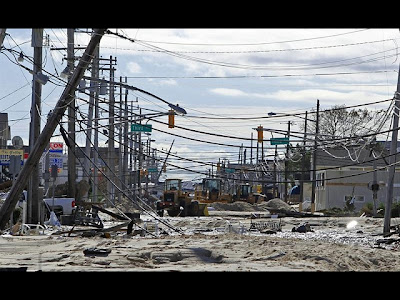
x,y
141,127
279,141
227,170
152,170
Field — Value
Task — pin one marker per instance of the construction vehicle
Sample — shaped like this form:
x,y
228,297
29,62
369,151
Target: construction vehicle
x,y
177,202
210,191
244,192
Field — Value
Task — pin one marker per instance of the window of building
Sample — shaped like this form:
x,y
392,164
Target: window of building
x,y
320,180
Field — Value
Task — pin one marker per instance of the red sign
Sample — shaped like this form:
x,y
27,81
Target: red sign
x,y
56,146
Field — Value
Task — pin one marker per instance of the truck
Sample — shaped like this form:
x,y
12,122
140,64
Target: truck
x,y
60,206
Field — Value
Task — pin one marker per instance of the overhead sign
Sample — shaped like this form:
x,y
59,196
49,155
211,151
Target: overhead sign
x,y
6,153
279,141
141,127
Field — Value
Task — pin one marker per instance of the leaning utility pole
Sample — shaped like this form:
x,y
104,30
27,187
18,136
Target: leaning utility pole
x,y
48,130
2,35
392,159
71,118
33,185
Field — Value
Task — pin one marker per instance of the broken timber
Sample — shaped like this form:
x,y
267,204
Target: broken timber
x,y
48,130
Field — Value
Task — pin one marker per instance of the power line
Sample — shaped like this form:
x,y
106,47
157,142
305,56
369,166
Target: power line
x,y
243,44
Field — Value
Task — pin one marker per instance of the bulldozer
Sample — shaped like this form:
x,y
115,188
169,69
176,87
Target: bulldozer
x,y
244,192
177,202
210,190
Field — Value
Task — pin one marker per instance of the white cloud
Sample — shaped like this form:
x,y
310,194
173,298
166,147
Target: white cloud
x,y
134,67
228,92
329,97
163,82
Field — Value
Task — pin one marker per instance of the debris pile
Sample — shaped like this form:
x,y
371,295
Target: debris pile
x,y
273,205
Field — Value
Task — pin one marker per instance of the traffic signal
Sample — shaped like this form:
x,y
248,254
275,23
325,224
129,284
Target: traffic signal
x,y
171,118
260,133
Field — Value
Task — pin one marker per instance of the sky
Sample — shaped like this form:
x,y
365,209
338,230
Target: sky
x,y
227,80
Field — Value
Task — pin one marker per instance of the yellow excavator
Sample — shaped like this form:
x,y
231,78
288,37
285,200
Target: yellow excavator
x,y
177,202
244,192
210,191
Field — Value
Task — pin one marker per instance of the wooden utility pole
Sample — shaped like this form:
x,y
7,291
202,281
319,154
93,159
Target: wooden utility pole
x,y
71,118
303,163
2,35
120,182
275,188
93,94
126,132
111,143
287,163
48,130
33,185
314,165
392,159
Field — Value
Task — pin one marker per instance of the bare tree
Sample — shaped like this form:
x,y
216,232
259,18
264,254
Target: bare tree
x,y
351,125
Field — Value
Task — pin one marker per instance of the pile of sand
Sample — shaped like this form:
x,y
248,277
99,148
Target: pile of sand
x,y
235,206
270,205
275,204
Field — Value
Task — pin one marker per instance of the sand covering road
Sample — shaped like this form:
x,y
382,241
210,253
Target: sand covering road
x,y
212,243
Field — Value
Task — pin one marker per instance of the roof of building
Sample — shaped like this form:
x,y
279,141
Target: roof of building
x,y
351,157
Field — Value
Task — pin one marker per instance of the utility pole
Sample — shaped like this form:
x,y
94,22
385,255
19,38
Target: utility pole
x,y
71,117
275,188
140,156
126,132
33,185
48,130
392,159
375,185
2,35
111,144
120,182
93,94
314,179
286,163
303,163
251,149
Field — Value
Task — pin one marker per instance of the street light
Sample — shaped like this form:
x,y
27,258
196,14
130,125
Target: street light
x,y
20,57
65,73
176,107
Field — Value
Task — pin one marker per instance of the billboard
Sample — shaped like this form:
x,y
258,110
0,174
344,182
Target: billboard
x,y
6,153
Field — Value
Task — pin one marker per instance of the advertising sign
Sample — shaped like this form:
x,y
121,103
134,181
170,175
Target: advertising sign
x,y
6,153
56,147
